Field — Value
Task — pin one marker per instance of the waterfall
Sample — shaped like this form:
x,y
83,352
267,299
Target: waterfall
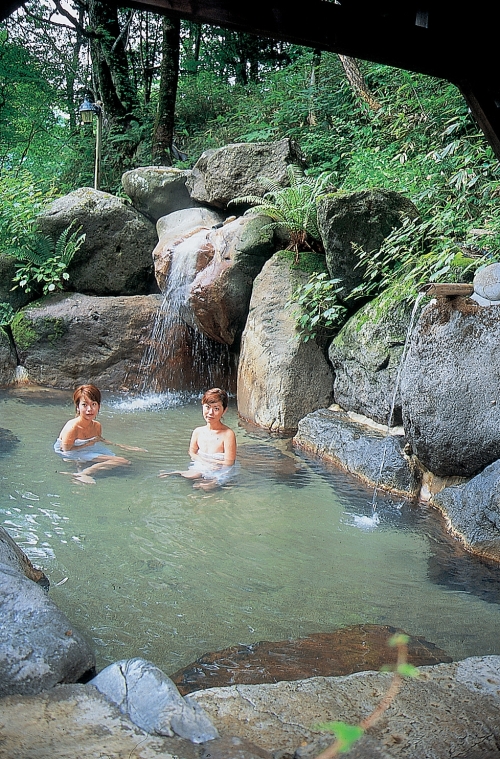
x,y
409,333
178,357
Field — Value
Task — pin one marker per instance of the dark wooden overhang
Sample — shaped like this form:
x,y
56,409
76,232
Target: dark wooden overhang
x,y
450,40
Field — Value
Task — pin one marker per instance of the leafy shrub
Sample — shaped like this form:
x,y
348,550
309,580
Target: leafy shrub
x,y
46,264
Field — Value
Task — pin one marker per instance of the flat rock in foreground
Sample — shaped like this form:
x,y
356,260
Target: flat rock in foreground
x,y
451,711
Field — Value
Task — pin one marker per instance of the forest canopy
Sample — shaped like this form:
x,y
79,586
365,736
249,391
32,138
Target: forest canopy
x,y
170,90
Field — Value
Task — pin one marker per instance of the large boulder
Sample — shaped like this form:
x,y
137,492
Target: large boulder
x,y
280,378
449,387
115,258
472,511
366,357
187,233
371,454
219,296
233,171
67,339
156,191
348,220
39,646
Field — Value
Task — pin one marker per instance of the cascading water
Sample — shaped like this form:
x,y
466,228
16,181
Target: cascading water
x,y
178,357
374,518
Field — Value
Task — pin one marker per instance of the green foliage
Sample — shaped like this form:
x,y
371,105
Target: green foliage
x,y
6,314
46,264
21,200
24,334
346,735
316,307
293,209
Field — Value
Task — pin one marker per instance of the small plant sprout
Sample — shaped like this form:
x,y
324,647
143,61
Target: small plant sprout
x,y
346,735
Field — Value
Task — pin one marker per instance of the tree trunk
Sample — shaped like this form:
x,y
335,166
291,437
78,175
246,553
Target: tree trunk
x,y
110,63
313,88
357,81
169,74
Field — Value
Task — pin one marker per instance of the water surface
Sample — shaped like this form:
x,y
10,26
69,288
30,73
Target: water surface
x,y
155,568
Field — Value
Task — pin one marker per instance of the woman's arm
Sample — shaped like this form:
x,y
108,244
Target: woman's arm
x,y
229,448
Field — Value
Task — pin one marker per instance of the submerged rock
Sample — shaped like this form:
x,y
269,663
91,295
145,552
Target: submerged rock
x,y
152,701
341,652
375,456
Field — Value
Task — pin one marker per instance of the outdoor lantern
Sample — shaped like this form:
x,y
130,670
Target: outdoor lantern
x,y
87,112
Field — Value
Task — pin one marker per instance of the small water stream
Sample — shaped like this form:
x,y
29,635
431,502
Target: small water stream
x,y
158,569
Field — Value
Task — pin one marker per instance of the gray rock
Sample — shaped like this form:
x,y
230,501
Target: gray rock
x,y
448,712
39,646
152,701
8,360
280,378
65,340
449,387
219,296
487,283
363,219
437,715
375,457
234,170
366,356
75,721
472,511
156,191
15,558
115,258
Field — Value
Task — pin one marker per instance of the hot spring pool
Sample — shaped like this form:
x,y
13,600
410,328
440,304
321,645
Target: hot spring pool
x,y
155,568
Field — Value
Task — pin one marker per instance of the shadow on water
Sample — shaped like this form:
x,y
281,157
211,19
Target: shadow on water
x,y
449,564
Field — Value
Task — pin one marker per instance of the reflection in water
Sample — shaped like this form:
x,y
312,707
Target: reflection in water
x,y
160,570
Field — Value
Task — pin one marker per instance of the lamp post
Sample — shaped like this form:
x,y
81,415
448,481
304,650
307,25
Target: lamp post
x,y
87,112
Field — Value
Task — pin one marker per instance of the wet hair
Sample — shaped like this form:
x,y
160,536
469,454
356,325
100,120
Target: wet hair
x,y
215,395
86,391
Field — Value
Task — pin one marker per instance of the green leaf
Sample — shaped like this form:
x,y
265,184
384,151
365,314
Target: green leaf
x,y
346,734
408,670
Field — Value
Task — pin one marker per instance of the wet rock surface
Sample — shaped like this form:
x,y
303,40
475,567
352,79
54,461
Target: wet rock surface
x,y
376,457
472,511
342,652
39,647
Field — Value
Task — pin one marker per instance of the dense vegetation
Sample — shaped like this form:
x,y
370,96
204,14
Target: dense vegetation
x,y
403,131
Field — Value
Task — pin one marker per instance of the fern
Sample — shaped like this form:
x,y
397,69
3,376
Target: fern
x,y
46,261
292,209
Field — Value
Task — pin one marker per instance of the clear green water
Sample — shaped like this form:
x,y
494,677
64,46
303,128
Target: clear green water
x,y
160,570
